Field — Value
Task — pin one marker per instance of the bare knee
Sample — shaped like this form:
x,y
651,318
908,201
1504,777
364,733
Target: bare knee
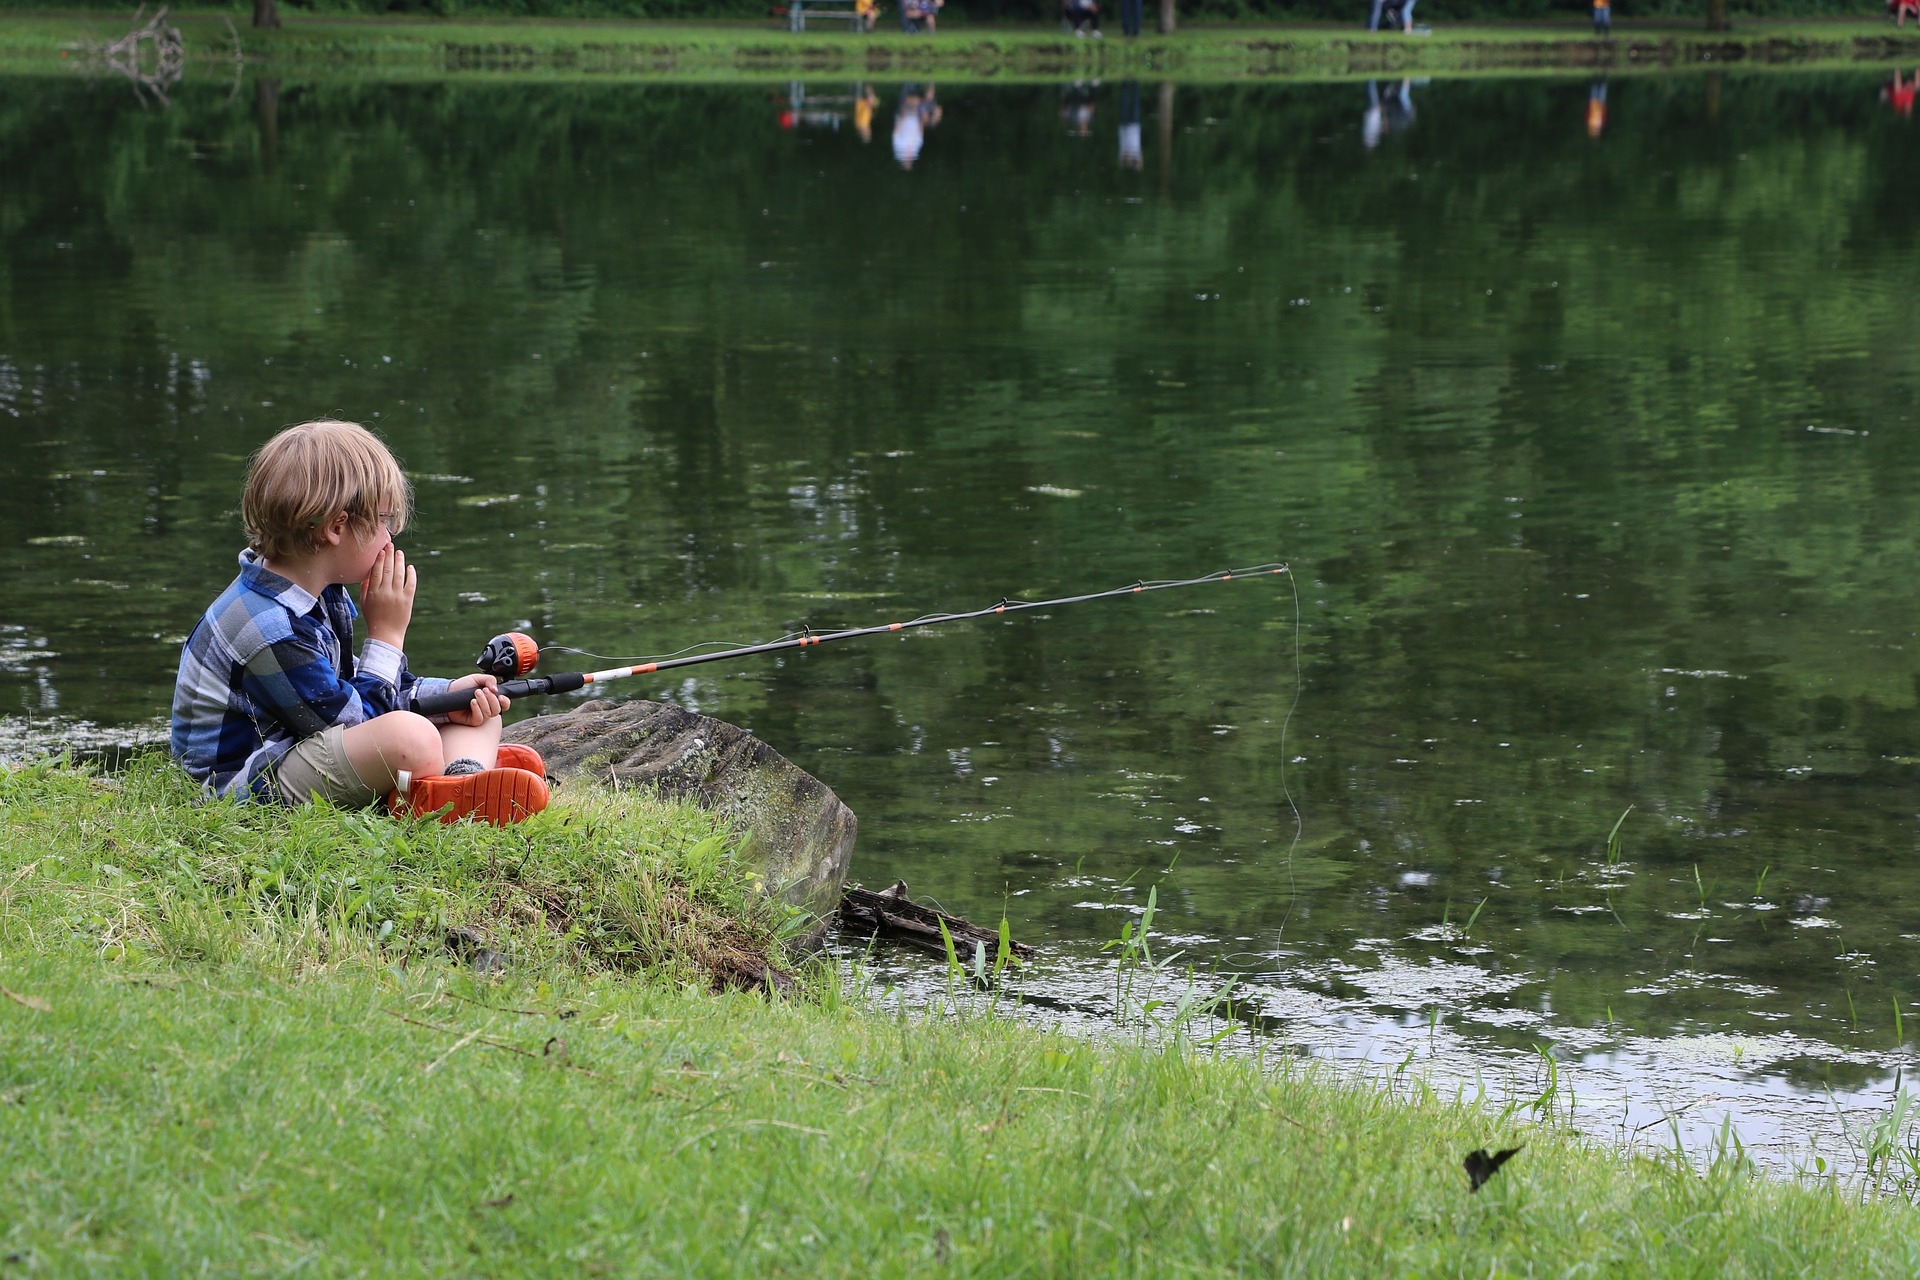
x,y
381,748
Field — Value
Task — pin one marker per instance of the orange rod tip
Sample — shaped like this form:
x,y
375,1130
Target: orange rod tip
x,y
894,626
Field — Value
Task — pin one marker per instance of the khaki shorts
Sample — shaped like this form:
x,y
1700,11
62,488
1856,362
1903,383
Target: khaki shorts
x,y
317,768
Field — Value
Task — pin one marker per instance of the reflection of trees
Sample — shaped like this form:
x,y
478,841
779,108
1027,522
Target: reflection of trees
x,y
1574,327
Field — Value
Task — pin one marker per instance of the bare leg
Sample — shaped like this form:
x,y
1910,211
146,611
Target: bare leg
x,y
380,748
459,740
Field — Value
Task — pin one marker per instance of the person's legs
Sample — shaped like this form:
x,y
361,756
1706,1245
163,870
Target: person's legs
x,y
1130,17
1373,17
464,742
379,749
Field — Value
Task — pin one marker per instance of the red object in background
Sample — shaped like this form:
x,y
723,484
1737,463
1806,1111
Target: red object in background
x,y
786,119
1899,95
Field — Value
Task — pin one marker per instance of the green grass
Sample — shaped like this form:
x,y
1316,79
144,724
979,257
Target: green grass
x,y
405,47
265,1083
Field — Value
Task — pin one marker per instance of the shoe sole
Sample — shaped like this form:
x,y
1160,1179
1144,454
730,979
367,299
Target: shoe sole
x,y
497,796
502,796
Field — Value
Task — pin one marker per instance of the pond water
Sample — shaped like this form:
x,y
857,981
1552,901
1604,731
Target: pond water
x,y
1585,415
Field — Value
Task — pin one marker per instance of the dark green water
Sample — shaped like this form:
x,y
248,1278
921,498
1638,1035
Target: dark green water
x,y
1597,460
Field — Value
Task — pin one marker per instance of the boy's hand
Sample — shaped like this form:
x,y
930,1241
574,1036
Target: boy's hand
x,y
386,597
486,702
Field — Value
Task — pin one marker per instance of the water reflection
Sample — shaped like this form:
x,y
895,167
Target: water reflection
x,y
916,113
1598,462
1131,156
1076,107
1388,111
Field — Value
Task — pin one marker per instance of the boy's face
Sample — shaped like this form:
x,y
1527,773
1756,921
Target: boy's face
x,y
363,555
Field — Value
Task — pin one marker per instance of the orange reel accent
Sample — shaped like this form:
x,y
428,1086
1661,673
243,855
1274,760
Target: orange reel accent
x,y
526,653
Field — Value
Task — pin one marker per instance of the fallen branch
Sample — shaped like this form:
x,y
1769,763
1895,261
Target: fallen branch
x,y
892,914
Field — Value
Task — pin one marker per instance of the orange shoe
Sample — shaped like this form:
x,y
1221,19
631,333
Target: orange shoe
x,y
499,796
512,755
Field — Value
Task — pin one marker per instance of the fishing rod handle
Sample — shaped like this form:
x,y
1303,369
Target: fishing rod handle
x,y
435,704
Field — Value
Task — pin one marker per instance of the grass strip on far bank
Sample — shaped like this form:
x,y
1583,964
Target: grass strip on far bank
x,y
215,1054
406,47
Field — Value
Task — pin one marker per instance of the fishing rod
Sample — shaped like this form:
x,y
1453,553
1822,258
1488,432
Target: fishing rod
x,y
512,655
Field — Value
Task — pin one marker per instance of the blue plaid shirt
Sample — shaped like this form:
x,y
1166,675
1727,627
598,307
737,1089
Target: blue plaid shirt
x,y
269,665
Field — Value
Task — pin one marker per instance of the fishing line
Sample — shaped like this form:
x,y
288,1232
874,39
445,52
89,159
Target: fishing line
x,y
1299,822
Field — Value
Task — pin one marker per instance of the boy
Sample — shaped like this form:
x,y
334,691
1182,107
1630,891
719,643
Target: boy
x,y
270,703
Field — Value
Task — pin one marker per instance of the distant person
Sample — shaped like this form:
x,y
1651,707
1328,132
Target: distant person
x,y
1602,17
916,113
1901,10
1130,18
915,16
1082,17
1076,107
1389,112
868,12
1389,14
930,13
1597,109
864,101
1131,156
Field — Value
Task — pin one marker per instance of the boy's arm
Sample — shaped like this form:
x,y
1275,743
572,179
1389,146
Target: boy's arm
x,y
384,680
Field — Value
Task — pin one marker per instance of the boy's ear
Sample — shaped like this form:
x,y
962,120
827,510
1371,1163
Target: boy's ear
x,y
334,531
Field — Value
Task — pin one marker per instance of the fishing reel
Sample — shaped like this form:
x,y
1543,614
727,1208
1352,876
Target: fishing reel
x,y
508,655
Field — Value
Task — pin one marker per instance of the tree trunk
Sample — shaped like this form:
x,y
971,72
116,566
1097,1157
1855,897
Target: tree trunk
x,y
266,13
1717,16
266,106
1166,136
1166,16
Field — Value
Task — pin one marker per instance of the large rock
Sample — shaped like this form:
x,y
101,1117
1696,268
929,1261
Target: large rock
x,y
798,832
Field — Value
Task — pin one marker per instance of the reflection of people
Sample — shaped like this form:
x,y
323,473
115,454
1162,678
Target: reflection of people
x,y
1076,107
270,703
1130,155
1082,17
1597,109
917,113
1602,17
864,101
1899,94
1391,112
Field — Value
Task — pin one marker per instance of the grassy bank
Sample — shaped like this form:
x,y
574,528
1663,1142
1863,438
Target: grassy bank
x,y
405,47
216,1051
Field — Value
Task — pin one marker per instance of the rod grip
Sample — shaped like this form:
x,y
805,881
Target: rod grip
x,y
435,704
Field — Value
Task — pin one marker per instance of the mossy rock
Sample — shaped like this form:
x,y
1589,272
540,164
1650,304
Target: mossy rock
x,y
798,833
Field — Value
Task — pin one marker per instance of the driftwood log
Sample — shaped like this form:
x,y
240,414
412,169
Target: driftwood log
x,y
890,913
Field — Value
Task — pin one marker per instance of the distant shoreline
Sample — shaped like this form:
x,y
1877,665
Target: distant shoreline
x,y
411,47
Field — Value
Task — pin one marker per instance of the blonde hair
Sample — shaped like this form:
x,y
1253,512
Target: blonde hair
x,y
308,474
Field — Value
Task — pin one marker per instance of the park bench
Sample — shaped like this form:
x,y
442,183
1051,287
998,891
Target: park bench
x,y
800,12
